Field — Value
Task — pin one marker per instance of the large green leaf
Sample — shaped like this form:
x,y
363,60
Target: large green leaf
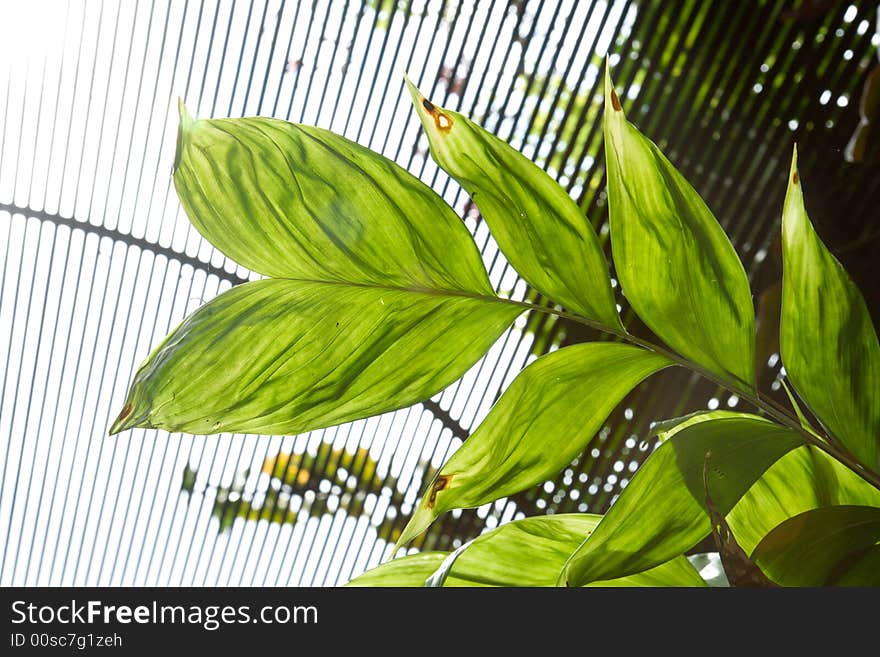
x,y
663,511
538,227
379,299
814,547
527,552
805,478
532,552
542,421
829,345
280,356
294,201
677,268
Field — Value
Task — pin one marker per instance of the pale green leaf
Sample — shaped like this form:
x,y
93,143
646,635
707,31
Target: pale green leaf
x,y
805,478
814,547
663,511
666,429
528,552
805,423
542,421
280,356
676,266
828,343
409,571
532,552
295,201
538,227
379,299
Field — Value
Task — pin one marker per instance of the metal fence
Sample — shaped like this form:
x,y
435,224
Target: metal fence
x,y
99,262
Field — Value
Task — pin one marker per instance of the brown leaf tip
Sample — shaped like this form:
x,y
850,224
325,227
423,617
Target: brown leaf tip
x,y
440,483
615,101
441,120
126,411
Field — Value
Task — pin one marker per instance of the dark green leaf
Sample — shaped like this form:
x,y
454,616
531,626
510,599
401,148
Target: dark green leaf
x,y
829,345
814,547
864,572
663,511
540,230
677,268
544,419
279,356
805,478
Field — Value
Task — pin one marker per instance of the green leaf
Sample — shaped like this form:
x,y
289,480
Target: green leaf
x,y
293,201
663,511
805,423
527,552
544,419
814,547
805,478
666,429
379,299
411,570
280,356
537,226
864,572
677,268
829,345
532,552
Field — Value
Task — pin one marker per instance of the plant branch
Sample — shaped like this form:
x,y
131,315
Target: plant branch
x,y
828,445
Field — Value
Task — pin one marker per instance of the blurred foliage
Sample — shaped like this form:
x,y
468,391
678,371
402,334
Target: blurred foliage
x,y
299,485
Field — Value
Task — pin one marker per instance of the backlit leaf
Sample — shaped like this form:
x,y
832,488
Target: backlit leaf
x,y
805,478
532,552
544,419
538,227
410,571
677,268
663,511
280,356
829,345
294,201
379,297
666,429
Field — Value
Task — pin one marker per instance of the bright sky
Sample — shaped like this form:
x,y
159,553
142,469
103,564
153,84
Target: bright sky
x,y
88,97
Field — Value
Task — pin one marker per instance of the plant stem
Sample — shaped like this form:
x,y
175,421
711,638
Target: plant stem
x,y
828,445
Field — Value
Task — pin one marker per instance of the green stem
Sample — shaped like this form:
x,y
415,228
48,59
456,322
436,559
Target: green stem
x,y
828,445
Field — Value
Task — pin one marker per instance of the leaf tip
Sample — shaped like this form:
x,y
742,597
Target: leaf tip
x,y
611,96
123,420
420,521
183,126
795,178
428,111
